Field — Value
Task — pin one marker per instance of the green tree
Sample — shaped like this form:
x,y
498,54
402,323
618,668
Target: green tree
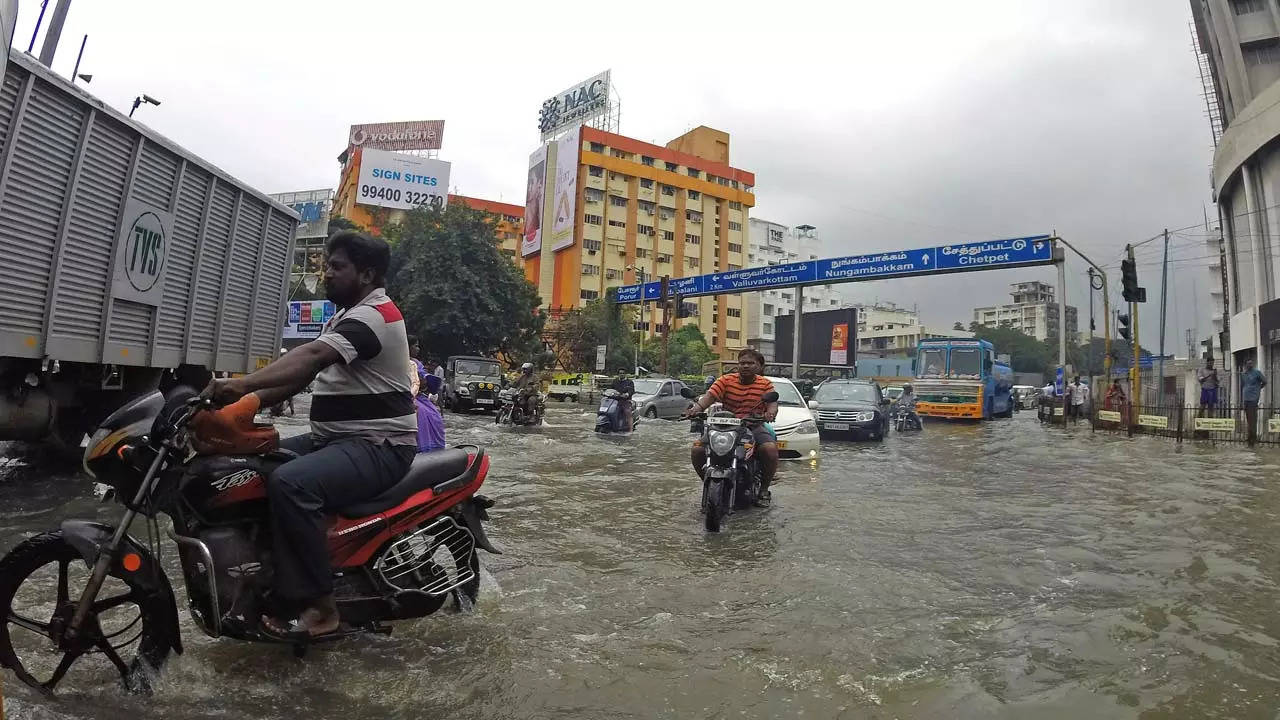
x,y
598,322
1025,352
457,291
958,326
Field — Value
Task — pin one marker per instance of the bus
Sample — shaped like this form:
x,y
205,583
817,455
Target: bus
x,y
958,378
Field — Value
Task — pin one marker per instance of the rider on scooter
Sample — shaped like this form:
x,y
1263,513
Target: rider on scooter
x,y
743,395
363,427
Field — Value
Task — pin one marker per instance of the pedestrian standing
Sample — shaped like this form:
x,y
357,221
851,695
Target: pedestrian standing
x,y
1208,377
1047,394
1079,396
430,422
1251,384
1115,399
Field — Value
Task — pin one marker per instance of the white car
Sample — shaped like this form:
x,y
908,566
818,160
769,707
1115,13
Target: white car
x,y
797,432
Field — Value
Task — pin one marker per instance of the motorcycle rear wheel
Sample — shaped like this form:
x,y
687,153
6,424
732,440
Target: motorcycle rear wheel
x,y
123,616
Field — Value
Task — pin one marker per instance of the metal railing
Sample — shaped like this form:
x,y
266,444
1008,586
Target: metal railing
x,y
1217,424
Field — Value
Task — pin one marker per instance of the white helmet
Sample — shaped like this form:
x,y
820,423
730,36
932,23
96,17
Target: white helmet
x,y
526,368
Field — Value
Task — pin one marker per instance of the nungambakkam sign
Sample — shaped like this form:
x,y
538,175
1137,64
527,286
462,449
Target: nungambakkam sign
x,y
585,101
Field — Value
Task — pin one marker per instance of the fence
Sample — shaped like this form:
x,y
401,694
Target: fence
x,y
1217,424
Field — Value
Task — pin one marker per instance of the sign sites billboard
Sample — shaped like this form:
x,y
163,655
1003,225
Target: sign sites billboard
x,y
306,318
533,199
585,101
412,135
1013,252
403,182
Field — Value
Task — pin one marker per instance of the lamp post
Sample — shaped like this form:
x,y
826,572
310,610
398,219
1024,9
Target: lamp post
x,y
640,278
143,98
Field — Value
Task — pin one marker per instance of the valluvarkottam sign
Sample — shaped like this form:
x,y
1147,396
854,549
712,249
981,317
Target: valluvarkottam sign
x,y
964,257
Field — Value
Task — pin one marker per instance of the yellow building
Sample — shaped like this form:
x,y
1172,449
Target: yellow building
x,y
643,209
508,226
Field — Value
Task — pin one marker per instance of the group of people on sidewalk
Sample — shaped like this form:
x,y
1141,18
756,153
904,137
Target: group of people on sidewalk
x,y
1075,400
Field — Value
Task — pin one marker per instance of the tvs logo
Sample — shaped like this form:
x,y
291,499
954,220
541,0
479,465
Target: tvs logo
x,y
235,479
145,252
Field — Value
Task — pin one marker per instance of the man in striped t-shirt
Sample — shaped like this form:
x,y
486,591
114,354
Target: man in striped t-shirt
x,y
363,425
742,394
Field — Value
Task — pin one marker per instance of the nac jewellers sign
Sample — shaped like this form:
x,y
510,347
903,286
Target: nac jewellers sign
x,y
585,101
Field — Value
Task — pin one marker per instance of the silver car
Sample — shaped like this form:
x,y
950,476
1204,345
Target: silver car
x,y
659,397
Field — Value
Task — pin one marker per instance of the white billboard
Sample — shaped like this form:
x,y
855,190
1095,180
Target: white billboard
x,y
565,195
585,101
533,198
403,182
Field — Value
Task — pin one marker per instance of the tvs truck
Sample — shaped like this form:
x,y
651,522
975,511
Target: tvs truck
x,y
129,262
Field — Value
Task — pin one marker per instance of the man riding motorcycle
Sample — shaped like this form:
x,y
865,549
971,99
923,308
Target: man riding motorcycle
x,y
906,402
527,384
742,394
363,426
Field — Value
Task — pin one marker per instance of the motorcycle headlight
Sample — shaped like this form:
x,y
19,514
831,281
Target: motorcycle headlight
x,y
722,442
94,449
808,427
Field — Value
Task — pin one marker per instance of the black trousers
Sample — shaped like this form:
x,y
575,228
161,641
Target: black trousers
x,y
326,478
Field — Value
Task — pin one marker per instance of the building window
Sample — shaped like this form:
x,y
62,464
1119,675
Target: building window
x,y
590,269
592,219
768,309
616,176
731,334
593,195
1265,52
664,258
588,294
645,206
695,195
668,235
597,147
834,303
768,328
735,205
739,267
594,171
786,296
666,214
644,230
620,154
612,274
692,239
693,216
672,167
618,223
646,183
735,247
591,245
693,262
616,201
668,190
735,225
694,172
645,159
1244,7
642,253
733,312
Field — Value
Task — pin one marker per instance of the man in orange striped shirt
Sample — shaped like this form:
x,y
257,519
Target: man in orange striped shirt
x,y
743,395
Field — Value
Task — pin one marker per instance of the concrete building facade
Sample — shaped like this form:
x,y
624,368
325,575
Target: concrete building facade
x,y
771,243
1034,311
1239,44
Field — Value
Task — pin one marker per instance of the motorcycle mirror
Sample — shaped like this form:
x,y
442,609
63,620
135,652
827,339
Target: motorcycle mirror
x,y
687,394
771,396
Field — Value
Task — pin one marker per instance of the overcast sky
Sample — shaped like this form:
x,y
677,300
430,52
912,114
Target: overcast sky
x,y
886,125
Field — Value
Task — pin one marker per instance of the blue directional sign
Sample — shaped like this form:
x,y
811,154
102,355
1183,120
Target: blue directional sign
x,y
964,257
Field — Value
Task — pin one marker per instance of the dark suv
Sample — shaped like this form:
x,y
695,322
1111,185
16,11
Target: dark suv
x,y
851,407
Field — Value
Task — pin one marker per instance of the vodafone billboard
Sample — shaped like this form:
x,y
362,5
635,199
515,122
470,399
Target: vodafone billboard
x,y
412,135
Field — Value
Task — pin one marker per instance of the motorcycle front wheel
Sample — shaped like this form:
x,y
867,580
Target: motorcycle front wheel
x,y
40,584
714,506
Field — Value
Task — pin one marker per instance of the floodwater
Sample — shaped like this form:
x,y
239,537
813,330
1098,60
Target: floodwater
x,y
1002,570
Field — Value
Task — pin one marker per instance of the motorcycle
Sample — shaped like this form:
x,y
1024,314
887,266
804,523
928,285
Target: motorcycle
x,y
397,556
731,476
616,413
906,420
511,412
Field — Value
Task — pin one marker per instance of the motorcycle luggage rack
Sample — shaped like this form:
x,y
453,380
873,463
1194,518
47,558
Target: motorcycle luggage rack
x,y
402,562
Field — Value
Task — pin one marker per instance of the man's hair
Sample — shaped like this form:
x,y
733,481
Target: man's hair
x,y
364,251
753,353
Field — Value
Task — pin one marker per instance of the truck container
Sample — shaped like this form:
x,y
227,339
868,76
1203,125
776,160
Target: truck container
x,y
130,263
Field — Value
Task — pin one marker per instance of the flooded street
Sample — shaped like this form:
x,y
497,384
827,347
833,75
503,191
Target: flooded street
x,y
1000,570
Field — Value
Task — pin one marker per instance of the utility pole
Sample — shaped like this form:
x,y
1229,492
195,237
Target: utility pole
x,y
54,32
666,320
1106,305
1135,377
795,334
1090,355
1062,316
1164,294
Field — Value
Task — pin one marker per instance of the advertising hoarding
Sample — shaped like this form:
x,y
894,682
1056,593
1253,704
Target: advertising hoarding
x,y
313,207
412,135
585,101
566,189
306,318
840,344
534,195
403,182
818,340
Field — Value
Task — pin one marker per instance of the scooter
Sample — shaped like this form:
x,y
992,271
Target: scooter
x,y
616,413
397,556
731,475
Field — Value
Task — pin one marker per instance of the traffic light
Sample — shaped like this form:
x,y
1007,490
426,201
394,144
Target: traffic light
x,y
1124,326
1129,280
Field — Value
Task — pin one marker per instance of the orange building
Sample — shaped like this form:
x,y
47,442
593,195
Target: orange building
x,y
510,224
643,209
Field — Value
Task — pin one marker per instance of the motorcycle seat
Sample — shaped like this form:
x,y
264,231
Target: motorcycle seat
x,y
428,470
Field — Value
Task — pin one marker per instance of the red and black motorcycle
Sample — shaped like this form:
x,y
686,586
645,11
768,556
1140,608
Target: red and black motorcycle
x,y
90,590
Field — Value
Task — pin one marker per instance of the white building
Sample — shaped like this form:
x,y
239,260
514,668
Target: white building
x,y
771,243
1034,311
885,329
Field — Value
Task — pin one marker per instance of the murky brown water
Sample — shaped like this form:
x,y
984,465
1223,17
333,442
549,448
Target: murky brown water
x,y
974,571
